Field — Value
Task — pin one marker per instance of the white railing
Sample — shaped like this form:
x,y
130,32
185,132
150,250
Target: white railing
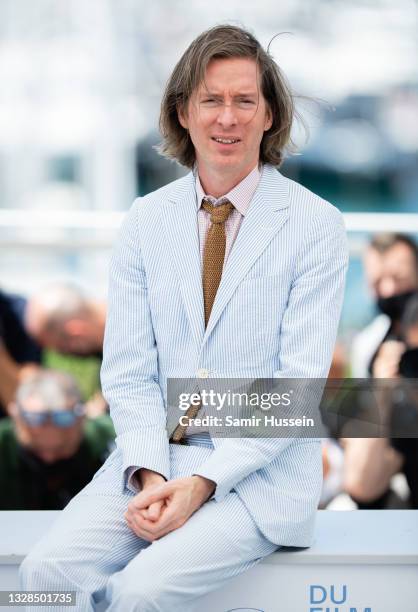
x,y
87,229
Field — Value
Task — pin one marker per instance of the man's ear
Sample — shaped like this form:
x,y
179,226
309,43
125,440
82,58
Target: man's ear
x,y
269,119
182,116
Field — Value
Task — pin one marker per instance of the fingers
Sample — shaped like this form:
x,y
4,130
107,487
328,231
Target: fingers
x,y
152,530
166,522
157,510
145,529
153,512
138,529
147,497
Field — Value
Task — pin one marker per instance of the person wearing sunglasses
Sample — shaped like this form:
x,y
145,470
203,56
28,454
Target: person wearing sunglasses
x,y
49,450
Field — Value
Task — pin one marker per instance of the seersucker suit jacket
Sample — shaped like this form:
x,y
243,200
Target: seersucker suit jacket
x,y
275,314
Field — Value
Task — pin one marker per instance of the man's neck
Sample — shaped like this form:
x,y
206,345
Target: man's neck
x,y
218,184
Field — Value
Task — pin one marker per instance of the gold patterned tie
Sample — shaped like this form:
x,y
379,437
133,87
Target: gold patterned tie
x,y
213,261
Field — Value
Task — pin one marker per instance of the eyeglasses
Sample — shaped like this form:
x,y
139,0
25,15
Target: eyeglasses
x,y
59,418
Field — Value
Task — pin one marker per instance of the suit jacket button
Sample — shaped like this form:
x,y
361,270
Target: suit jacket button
x,y
202,373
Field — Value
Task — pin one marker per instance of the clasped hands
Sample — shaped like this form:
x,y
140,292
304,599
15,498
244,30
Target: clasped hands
x,y
162,506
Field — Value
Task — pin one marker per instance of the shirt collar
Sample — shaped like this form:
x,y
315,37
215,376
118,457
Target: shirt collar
x,y
240,196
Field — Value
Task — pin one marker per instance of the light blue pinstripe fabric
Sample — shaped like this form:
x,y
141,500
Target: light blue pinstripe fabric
x,y
201,439
275,315
90,548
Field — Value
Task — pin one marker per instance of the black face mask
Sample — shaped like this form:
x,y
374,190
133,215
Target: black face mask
x,y
408,365
394,305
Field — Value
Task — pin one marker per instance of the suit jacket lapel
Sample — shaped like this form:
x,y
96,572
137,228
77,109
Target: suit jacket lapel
x,y
182,238
266,215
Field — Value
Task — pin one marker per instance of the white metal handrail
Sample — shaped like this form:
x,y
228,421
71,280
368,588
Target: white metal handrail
x,y
60,219
91,229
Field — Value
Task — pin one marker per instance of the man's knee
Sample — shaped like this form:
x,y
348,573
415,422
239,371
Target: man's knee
x,y
47,563
145,594
34,569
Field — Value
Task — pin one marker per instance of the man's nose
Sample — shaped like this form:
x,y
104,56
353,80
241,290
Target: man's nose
x,y
227,115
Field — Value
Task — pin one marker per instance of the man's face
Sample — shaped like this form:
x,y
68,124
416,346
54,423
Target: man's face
x,y
391,273
227,106
48,442
62,341
71,337
56,340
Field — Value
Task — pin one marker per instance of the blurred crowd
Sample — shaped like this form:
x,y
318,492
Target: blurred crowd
x,y
379,472
52,439
54,436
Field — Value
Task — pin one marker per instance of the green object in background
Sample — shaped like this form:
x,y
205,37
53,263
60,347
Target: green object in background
x,y
85,370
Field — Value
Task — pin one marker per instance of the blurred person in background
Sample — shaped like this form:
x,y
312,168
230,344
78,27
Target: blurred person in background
x,y
391,267
61,317
370,463
48,450
19,351
407,405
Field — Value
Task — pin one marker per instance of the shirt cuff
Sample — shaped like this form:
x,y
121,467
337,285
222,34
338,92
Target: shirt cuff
x,y
131,482
221,489
144,449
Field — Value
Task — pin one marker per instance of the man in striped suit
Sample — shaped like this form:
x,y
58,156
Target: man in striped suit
x,y
231,272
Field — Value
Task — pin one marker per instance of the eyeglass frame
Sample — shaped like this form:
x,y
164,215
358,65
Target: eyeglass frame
x,y
63,419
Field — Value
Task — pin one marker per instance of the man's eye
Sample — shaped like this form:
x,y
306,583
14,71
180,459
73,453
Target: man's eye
x,y
245,104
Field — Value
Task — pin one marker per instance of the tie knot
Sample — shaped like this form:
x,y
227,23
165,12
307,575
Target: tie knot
x,y
220,213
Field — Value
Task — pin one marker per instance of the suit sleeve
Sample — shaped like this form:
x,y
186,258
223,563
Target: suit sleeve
x,y
307,338
129,373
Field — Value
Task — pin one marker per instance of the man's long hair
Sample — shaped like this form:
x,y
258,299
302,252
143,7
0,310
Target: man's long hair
x,y
225,41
